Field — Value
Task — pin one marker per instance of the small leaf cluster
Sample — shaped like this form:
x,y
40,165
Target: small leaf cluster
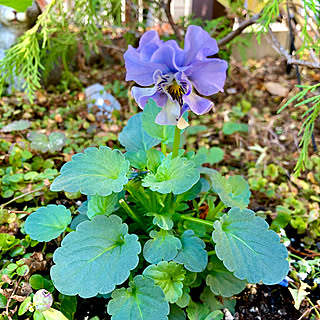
x,y
139,238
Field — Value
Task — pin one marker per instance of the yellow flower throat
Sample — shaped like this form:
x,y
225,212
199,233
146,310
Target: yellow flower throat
x,y
176,92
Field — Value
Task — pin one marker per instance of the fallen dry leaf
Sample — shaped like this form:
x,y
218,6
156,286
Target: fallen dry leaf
x,y
276,89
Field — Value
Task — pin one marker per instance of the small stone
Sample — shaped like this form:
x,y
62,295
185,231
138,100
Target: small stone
x,y
254,309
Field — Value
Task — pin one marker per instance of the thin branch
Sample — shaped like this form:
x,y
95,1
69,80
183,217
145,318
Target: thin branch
x,y
290,60
167,10
230,36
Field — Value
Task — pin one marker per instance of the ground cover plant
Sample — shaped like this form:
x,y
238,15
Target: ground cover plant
x,y
143,226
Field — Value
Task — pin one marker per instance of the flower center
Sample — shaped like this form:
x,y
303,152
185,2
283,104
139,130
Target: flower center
x,y
176,92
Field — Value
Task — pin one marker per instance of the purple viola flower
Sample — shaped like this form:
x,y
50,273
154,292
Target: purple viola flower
x,y
175,73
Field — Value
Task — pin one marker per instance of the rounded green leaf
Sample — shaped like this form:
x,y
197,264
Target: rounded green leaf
x,y
233,192
163,246
143,300
102,205
94,172
192,254
177,176
19,124
137,159
176,313
162,220
47,223
248,249
95,258
221,281
134,138
169,276
197,311
56,141
216,303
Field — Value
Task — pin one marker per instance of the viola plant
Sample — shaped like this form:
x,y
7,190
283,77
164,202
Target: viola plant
x,y
140,240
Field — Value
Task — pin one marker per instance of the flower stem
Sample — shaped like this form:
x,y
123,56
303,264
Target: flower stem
x,y
164,148
211,253
176,142
197,220
212,215
131,214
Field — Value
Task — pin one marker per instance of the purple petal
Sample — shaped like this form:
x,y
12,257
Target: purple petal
x,y
179,53
208,77
142,95
197,104
169,114
198,45
138,70
148,44
165,55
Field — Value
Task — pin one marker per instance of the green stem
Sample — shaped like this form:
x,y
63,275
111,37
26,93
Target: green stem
x,y
131,214
176,142
211,215
69,229
204,198
164,148
197,220
211,253
21,196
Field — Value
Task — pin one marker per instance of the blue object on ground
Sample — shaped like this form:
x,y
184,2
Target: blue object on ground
x,y
97,96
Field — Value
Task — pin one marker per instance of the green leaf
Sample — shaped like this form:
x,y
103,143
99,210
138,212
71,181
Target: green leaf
x,y
163,246
134,138
20,124
23,270
163,133
24,306
155,158
3,301
162,220
232,127
40,142
197,158
176,313
197,311
95,258
47,223
102,205
19,6
190,194
137,159
37,315
38,282
196,129
233,192
7,242
214,154
68,305
221,281
143,300
53,314
248,249
215,304
192,254
94,172
215,315
177,176
184,300
169,276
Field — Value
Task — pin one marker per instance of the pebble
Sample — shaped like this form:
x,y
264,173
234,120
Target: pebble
x,y
254,309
